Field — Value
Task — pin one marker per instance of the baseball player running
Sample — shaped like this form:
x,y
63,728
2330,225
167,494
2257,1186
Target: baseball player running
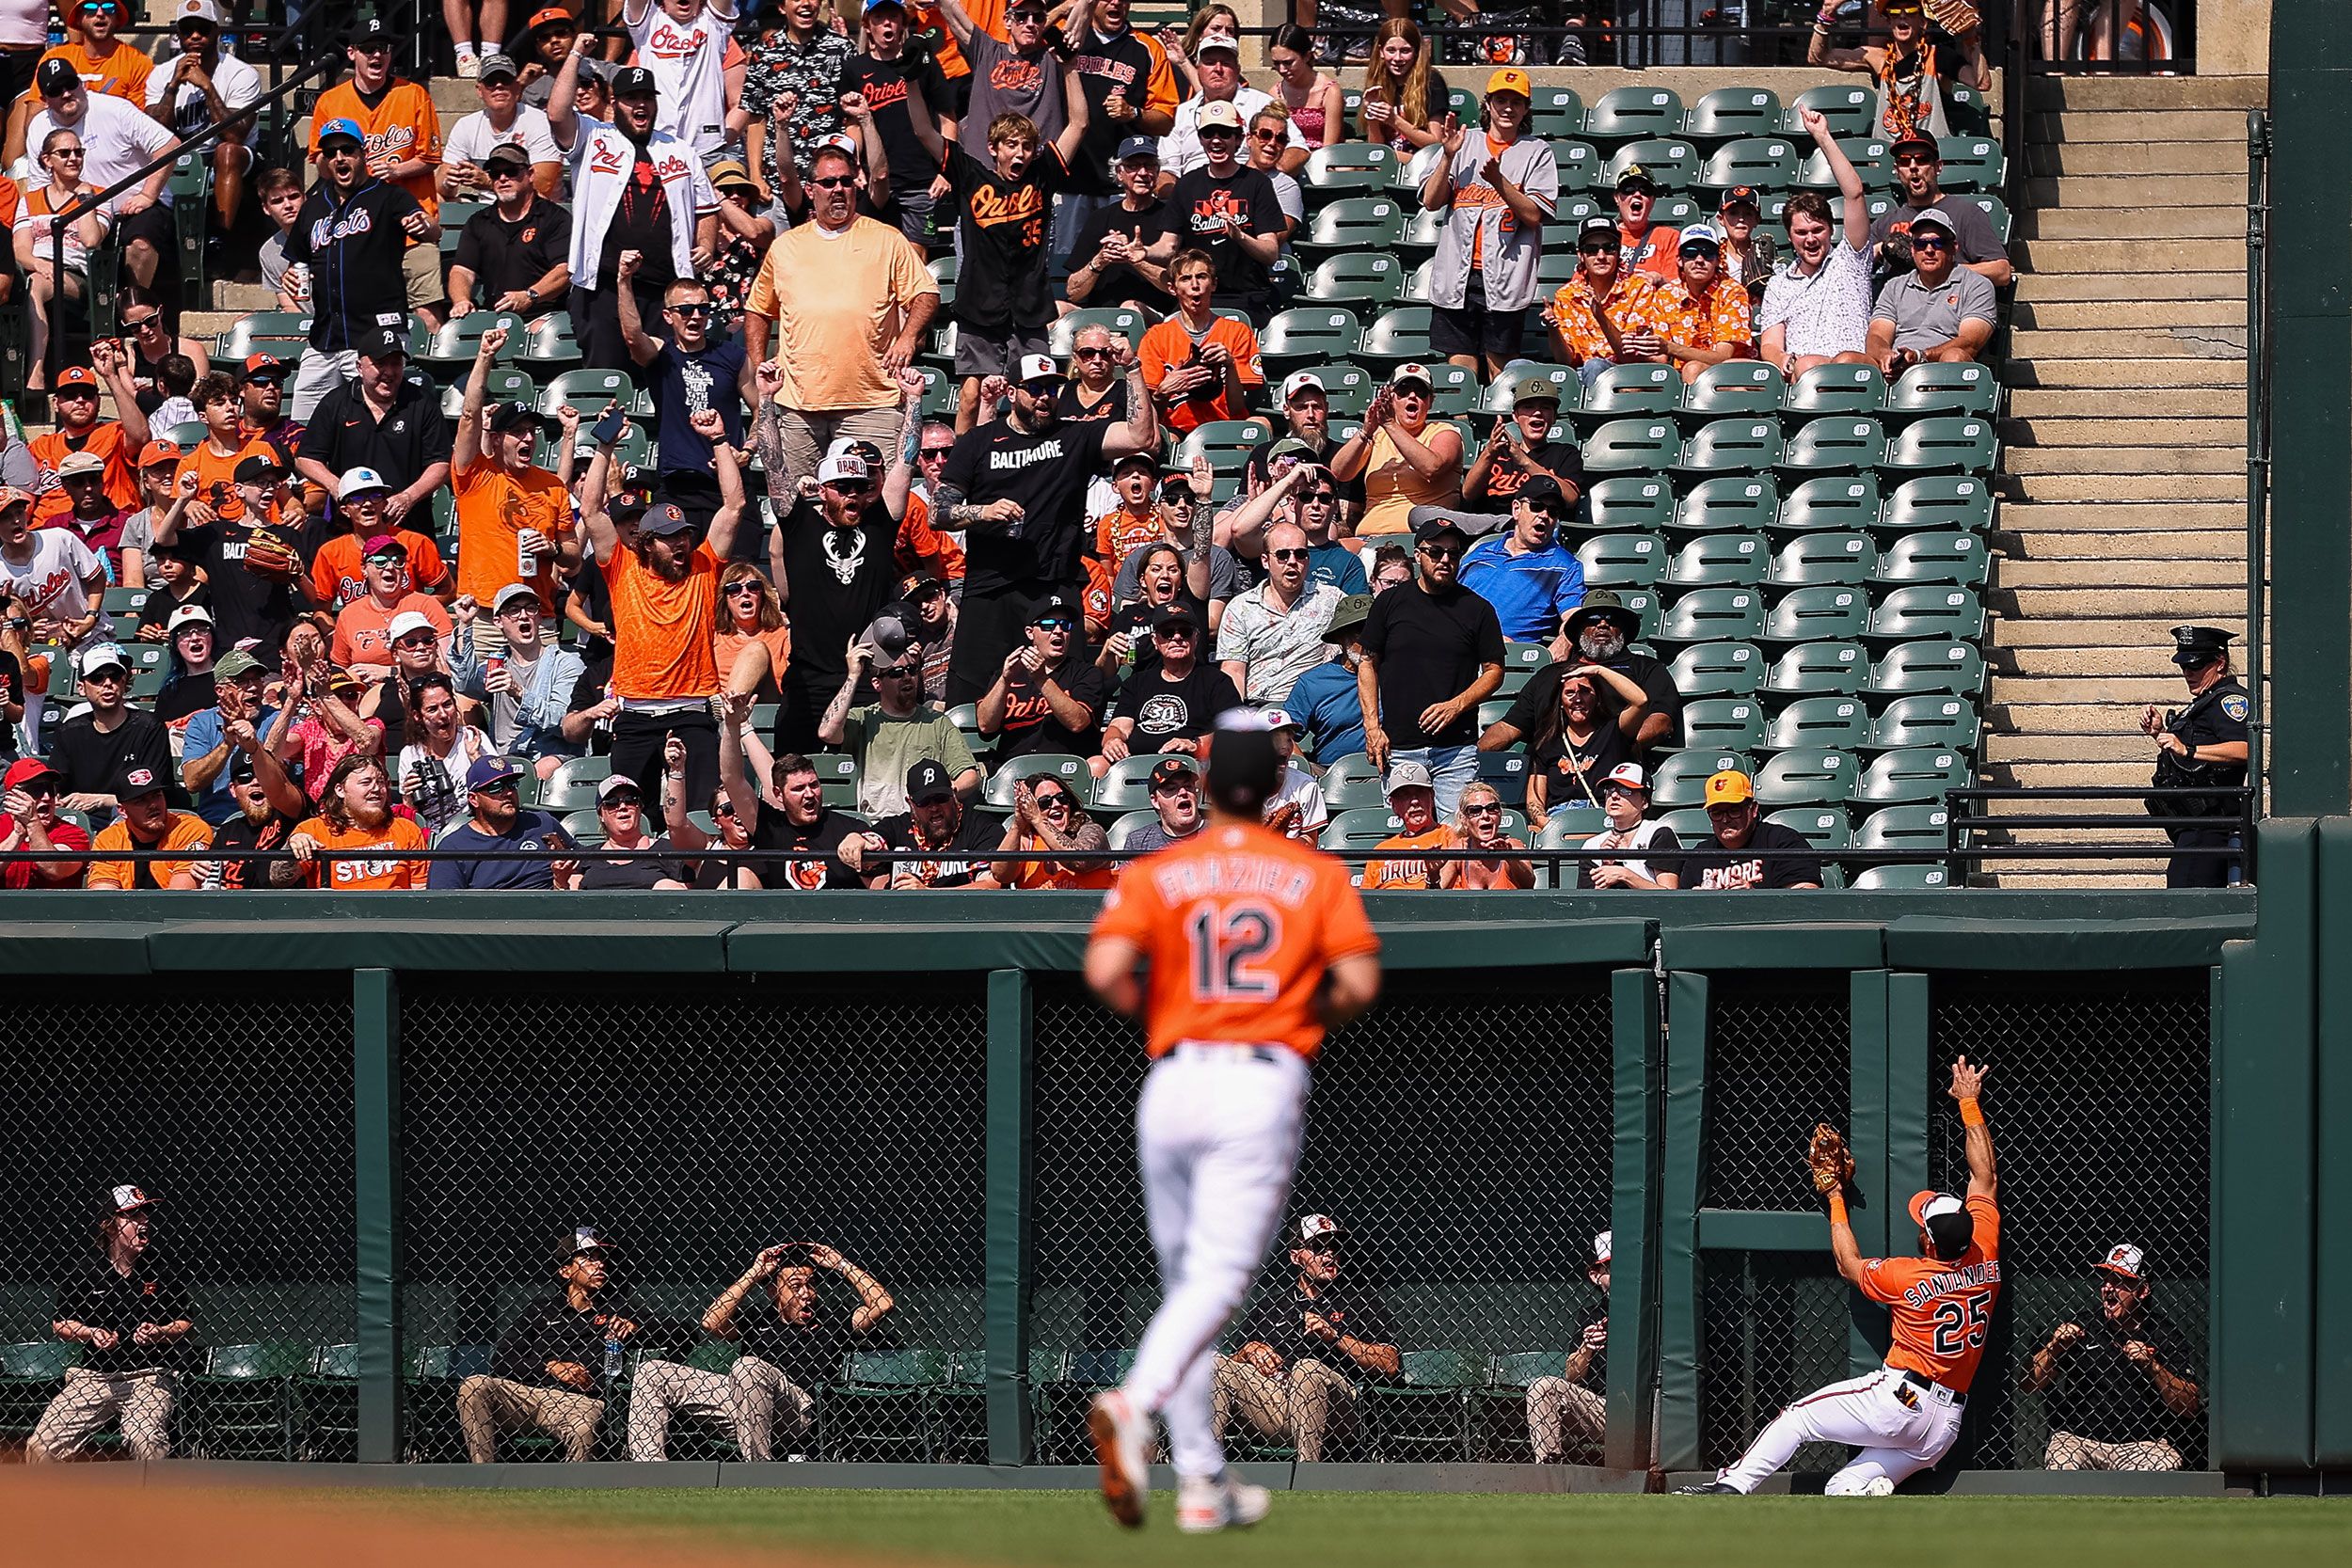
x,y
1904,1415
1237,949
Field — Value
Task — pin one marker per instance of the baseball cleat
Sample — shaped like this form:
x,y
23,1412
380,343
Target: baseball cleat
x,y
1203,1505
1119,1434
1714,1488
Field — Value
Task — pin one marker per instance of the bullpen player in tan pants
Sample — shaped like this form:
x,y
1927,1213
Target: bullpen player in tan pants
x,y
1293,1378
552,1365
130,1318
1570,1406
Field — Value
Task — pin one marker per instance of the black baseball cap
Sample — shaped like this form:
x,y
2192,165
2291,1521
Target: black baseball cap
x,y
382,343
1057,607
1174,615
512,416
371,29
56,77
634,79
1168,770
1544,491
507,155
928,781
260,468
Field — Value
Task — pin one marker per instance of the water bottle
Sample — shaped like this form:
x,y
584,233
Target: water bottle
x,y
611,1361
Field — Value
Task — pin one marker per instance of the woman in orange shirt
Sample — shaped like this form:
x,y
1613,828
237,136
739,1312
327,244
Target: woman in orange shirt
x,y
1402,461
751,613
356,813
1046,818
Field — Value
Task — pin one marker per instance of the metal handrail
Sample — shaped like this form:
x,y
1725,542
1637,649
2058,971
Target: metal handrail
x,y
2257,420
1959,821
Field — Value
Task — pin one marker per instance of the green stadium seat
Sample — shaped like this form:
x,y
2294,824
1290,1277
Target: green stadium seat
x,y
1829,504
1927,720
1996,209
498,385
1680,212
1935,389
1718,669
885,1405
1361,280
589,390
1503,393
1343,169
1837,389
1728,503
1827,614
1944,444
457,344
1908,669
1924,828
1425,1413
1490,713
283,333
1939,501
126,601
1566,829
1308,336
1813,560
1347,388
838,774
1226,443
1456,390
1359,828
1766,163
1834,723
238,1407
1806,778
1912,775
31,1372
549,344
1358,223
1833,445
1673,164
1624,501
1424,230
1728,113
1398,335
1726,723
1556,112
1125,785
1971,163
1740,446
1122,830
1553,269
1817,670
1352,782
1734,387
1945,556
1072,772
1851,111
944,271
1680,779
1623,390
1906,877
184,434
1130,324
1720,561
1623,561
1505,770
1412,173
573,785
1926,611
1868,155
586,826
1823,826
1714,615
1462,104
1630,114
1579,163
326,1405
1689,824
1620,446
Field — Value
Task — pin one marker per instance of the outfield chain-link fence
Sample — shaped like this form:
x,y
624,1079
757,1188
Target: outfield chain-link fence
x,y
1773,1326
179,1158
2099,1097
1461,1137
657,1218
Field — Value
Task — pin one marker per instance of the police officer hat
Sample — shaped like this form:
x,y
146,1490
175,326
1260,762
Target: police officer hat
x,y
2195,646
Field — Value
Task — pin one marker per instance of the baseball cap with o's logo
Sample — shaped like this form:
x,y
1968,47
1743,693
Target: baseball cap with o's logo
x,y
1511,79
127,1199
1039,366
2125,1261
1600,1246
1729,787
1298,381
1315,1227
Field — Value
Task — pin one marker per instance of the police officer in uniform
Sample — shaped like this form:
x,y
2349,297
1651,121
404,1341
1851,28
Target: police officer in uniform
x,y
2202,745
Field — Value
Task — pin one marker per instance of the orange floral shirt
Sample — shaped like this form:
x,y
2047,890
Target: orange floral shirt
x,y
1631,306
1721,316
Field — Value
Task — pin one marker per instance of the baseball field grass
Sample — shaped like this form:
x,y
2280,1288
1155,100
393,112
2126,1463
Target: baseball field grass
x,y
1375,1531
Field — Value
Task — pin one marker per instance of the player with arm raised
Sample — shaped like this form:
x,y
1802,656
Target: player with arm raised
x,y
1237,949
1904,1415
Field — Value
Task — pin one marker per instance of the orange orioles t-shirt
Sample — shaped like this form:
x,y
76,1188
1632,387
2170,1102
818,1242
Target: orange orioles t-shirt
x,y
1238,926
403,125
216,475
401,832
1168,346
338,575
106,439
1404,873
664,632
1942,1309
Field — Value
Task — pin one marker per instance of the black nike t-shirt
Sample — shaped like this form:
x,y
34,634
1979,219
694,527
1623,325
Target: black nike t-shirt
x,y
1118,282
1204,203
1165,709
884,85
1002,224
1047,473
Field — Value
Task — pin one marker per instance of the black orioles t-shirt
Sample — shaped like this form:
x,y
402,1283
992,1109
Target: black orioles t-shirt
x,y
773,830
884,85
1002,224
1204,203
1047,473
1165,709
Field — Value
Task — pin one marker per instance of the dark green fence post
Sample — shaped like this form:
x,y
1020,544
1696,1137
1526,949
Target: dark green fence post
x,y
1011,1032
1869,1026
1686,1026
1912,1104
1640,1052
2331,1281
375,1115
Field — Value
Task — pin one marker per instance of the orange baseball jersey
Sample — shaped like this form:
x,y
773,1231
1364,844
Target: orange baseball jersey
x,y
187,834
393,871
922,548
403,125
1168,346
1238,925
1942,1309
216,475
1405,872
106,439
337,576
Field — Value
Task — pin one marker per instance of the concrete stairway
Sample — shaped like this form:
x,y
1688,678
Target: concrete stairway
x,y
2125,487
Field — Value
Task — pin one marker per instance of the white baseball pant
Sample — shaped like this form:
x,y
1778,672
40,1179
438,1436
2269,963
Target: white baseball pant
x,y
1901,1428
1216,1135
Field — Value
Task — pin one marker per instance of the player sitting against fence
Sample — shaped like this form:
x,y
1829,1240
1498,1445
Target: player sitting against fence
x,y
1904,1415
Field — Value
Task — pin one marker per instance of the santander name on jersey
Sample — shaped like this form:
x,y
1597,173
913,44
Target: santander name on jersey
x,y
1975,1276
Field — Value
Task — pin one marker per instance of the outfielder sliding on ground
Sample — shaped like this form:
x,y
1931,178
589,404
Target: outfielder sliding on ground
x,y
1904,1415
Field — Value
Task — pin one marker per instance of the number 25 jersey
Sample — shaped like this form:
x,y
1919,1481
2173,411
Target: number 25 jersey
x,y
1942,1309
1238,925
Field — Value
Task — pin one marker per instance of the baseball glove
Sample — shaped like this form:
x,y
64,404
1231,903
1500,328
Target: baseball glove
x,y
1956,17
1828,1158
268,556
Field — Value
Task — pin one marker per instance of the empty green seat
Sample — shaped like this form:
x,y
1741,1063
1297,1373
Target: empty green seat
x,y
1904,876
1927,720
1728,113
1680,779
1971,163
1555,111
1397,334
1226,443
1345,167
1720,561
1827,614
1829,504
1942,556
1908,669
498,385
1911,774
1823,827
1851,111
548,344
1728,503
1425,1413
459,341
1626,502
1425,230
1629,113
1623,561
1833,445
1817,670
1806,778
1939,501
1308,335
1837,389
1812,559
1718,669
1715,615
886,1405
573,785
1869,156
1580,164
1994,209
1358,223
1672,164
1351,782
1361,828
1729,723
283,333
588,390
1909,614
1126,785
1929,388
1747,446
1357,279
1833,724
1924,828
1733,388
1626,390
1619,446
1454,393
1763,162
1942,444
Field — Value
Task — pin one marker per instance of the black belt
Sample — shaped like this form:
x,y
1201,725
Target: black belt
x,y
1919,1382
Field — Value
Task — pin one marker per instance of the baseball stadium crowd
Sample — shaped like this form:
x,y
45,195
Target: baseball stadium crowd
x,y
913,493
